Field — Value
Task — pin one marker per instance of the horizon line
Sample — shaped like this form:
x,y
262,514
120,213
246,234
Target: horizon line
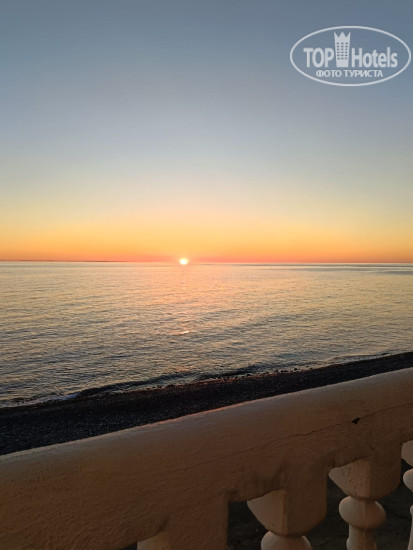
x,y
194,262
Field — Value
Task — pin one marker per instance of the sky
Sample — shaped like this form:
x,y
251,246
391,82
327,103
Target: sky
x,y
148,130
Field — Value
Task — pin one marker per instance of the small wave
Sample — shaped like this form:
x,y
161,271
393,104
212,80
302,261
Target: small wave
x,y
23,401
161,380
117,387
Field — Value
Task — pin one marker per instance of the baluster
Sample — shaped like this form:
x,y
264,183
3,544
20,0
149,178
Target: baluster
x,y
203,527
289,514
407,454
365,481
279,542
269,542
159,542
364,517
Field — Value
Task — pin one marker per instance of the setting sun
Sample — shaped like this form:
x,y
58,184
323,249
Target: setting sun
x,y
183,261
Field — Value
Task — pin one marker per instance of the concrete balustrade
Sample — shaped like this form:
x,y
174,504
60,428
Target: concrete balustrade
x,y
167,485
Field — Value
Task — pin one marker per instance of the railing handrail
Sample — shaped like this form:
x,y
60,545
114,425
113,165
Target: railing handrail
x,y
111,490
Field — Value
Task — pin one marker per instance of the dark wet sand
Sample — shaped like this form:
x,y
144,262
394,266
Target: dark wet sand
x,y
44,424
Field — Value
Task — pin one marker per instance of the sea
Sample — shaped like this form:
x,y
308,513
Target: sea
x,y
71,329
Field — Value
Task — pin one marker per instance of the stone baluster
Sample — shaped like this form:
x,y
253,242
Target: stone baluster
x,y
159,542
407,454
365,481
204,527
290,513
364,517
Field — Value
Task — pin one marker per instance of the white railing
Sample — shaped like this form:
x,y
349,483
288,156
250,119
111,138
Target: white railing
x,y
168,484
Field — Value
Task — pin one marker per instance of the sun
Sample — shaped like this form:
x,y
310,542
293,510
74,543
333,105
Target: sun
x,y
183,261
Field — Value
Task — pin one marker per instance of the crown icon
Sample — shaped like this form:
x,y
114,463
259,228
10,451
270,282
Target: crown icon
x,y
342,47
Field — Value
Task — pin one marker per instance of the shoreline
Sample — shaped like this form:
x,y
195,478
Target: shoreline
x,y
47,423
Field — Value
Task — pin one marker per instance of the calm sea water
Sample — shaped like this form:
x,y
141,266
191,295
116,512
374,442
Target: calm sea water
x,y
65,328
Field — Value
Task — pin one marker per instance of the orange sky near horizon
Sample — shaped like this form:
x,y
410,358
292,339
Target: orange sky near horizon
x,y
288,222
258,241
